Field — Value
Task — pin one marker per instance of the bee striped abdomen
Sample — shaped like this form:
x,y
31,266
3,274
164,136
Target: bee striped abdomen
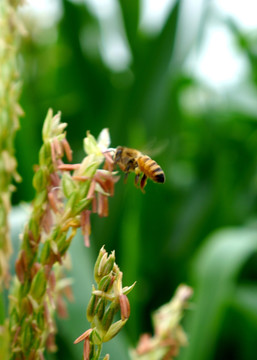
x,y
151,169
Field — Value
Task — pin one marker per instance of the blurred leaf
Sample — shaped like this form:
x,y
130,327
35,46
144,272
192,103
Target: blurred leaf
x,y
131,248
153,66
130,11
244,301
215,271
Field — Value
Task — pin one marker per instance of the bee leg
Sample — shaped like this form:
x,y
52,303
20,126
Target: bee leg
x,y
137,179
127,168
126,177
143,182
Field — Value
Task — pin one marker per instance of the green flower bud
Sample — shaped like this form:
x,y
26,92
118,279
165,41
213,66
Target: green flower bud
x,y
81,205
71,203
109,315
38,285
39,200
45,157
24,289
33,227
40,179
99,311
27,336
63,244
114,330
57,232
91,307
105,283
106,267
102,252
47,127
83,188
60,243
68,185
88,166
45,253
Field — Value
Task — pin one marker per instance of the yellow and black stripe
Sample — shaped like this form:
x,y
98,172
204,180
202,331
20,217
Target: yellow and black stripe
x,y
151,169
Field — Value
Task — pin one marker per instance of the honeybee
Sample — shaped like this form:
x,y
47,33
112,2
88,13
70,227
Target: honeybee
x,y
132,160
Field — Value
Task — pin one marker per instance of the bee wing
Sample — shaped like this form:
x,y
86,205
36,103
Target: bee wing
x,y
154,149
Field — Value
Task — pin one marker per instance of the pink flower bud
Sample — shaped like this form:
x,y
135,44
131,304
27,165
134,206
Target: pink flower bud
x,y
86,226
86,349
124,307
67,149
83,336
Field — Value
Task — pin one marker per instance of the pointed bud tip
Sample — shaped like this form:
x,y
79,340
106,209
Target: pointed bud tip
x,y
83,336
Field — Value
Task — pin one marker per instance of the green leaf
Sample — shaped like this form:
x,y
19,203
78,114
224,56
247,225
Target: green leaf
x,y
215,271
130,13
154,67
244,301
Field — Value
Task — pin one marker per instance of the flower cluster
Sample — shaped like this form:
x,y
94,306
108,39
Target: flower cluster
x,y
109,298
9,123
62,204
90,183
169,335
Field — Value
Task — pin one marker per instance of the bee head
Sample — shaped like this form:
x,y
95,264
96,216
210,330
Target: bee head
x,y
118,154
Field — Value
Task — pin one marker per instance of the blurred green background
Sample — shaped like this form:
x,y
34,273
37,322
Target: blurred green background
x,y
178,78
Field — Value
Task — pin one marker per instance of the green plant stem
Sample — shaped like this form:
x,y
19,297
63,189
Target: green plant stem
x,y
98,352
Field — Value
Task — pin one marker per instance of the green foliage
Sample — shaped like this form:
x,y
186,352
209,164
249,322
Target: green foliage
x,y
216,272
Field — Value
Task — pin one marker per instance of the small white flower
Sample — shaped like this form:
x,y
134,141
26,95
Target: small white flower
x,y
97,147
